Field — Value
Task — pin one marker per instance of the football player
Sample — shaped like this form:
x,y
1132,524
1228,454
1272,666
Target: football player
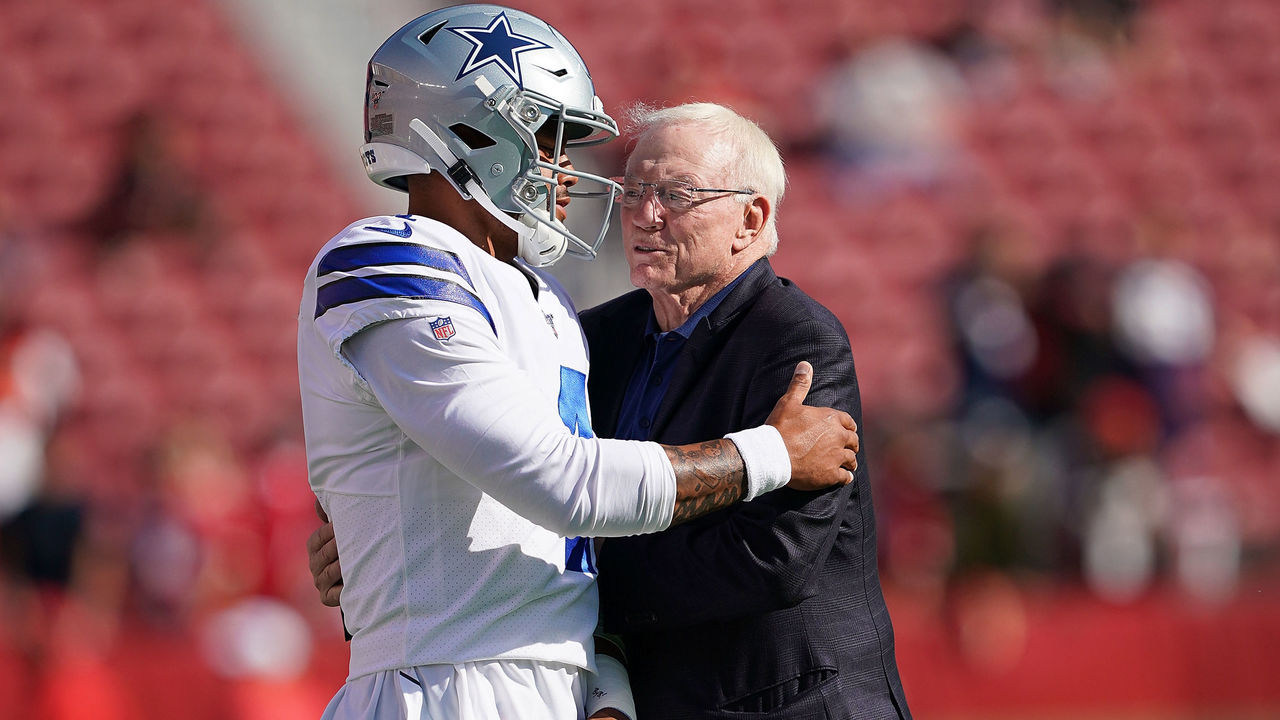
x,y
443,383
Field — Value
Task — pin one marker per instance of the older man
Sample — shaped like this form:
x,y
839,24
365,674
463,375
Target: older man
x,y
772,606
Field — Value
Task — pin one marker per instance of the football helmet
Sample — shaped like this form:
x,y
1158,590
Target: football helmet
x,y
467,91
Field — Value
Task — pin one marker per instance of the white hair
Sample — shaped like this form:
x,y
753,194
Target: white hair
x,y
756,163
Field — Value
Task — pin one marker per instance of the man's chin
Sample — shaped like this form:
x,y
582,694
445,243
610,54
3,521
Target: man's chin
x,y
644,276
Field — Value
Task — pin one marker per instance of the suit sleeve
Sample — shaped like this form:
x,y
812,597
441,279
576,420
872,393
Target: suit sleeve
x,y
755,557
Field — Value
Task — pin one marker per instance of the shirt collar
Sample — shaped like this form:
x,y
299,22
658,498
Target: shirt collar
x,y
687,327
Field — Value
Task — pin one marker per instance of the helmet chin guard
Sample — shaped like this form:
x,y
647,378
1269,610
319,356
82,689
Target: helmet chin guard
x,y
469,91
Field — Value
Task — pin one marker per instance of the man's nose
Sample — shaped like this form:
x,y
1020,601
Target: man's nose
x,y
568,179
649,213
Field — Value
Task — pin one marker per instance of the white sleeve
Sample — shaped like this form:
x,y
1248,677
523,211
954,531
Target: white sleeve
x,y
473,410
608,687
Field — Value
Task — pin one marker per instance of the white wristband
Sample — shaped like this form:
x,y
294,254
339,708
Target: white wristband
x,y
608,687
765,456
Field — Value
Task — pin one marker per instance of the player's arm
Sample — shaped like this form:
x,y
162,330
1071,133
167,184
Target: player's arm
x,y
758,557
714,475
481,417
710,476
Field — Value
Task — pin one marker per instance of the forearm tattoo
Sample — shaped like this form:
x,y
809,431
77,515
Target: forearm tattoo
x,y
709,476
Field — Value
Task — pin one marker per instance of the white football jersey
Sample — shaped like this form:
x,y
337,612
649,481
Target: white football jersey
x,y
448,438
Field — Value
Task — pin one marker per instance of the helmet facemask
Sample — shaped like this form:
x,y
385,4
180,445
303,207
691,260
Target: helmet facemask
x,y
533,115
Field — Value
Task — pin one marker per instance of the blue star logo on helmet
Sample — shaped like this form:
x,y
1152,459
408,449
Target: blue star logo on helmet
x,y
497,45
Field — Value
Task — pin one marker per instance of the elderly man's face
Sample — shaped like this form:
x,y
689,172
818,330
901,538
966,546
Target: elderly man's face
x,y
670,251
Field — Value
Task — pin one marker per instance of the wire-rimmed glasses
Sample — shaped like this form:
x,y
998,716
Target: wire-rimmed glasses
x,y
671,194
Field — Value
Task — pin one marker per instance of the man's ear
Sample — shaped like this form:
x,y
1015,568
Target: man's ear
x,y
755,215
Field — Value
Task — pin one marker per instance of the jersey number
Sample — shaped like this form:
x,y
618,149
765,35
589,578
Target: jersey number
x,y
579,552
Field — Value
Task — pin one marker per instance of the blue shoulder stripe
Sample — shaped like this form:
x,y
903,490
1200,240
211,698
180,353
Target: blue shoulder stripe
x,y
354,257
356,289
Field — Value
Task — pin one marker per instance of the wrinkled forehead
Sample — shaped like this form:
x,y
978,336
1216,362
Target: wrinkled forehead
x,y
684,151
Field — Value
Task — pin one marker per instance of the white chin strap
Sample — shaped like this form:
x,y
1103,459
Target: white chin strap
x,y
538,244
541,246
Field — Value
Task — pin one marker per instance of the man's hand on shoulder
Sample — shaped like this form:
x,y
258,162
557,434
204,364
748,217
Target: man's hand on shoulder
x,y
821,442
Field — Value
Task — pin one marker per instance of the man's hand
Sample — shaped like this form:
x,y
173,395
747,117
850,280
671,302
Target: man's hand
x,y
822,442
322,555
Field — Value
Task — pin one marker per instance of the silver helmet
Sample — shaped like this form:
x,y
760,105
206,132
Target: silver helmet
x,y
466,91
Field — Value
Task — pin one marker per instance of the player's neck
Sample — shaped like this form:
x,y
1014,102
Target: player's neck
x,y
465,216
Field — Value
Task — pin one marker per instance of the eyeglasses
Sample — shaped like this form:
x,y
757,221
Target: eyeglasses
x,y
672,194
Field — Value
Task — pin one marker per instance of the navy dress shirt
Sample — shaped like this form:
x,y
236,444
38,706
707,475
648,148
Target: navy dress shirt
x,y
652,375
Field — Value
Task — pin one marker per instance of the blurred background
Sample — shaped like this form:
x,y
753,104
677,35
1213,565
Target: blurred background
x,y
1051,228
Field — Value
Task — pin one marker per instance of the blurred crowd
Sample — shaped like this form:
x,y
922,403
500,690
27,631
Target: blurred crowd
x,y
1109,408
190,535
1062,288
1104,428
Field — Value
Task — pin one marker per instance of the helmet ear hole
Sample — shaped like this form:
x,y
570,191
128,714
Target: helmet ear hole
x,y
471,137
425,38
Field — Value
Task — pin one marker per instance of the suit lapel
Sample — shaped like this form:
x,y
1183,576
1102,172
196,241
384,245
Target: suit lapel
x,y
703,346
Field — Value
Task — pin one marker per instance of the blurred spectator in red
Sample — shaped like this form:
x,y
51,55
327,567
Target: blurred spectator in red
x,y
151,191
888,113
39,375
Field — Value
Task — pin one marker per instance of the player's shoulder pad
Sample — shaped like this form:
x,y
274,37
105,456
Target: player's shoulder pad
x,y
392,267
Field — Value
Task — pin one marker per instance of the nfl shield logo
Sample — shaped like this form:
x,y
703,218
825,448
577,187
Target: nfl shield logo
x,y
442,327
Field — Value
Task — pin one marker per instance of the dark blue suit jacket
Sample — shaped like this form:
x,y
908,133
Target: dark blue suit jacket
x,y
769,609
